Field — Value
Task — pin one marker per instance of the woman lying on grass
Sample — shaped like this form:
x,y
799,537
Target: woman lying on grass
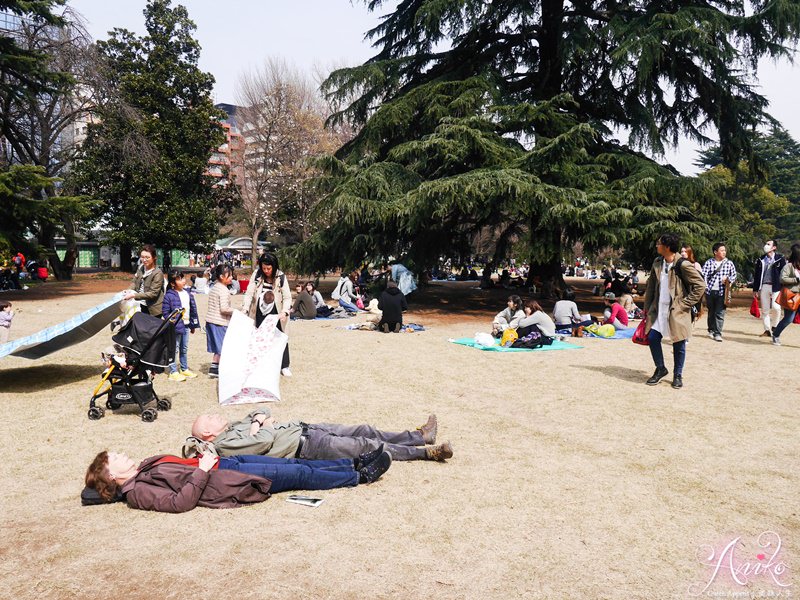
x,y
167,483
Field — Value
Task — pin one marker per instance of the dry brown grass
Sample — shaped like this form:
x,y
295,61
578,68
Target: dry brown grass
x,y
571,478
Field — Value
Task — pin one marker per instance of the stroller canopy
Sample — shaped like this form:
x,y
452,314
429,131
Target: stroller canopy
x,y
148,338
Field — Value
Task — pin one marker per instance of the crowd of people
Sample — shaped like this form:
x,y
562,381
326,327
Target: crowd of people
x,y
679,290
228,464
233,464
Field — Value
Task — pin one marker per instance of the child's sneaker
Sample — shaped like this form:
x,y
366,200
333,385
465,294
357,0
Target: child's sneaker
x,y
189,374
177,376
213,371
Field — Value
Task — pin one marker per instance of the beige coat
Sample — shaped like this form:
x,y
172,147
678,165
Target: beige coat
x,y
683,297
283,295
219,305
789,278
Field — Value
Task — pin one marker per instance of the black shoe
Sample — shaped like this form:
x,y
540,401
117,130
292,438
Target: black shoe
x,y
677,382
373,471
367,457
658,375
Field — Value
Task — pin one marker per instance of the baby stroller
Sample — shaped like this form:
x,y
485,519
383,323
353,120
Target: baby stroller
x,y
147,346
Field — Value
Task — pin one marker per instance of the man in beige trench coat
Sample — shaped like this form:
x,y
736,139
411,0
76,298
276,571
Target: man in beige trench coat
x,y
673,288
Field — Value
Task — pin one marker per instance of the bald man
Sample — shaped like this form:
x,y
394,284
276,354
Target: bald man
x,y
260,434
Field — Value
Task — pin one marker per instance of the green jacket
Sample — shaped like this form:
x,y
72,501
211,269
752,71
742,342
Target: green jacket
x,y
153,295
280,441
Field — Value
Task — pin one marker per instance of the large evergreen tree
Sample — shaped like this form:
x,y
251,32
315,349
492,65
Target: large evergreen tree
x,y
550,79
147,155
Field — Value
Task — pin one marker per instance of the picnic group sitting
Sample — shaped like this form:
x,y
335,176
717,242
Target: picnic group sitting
x,y
523,325
526,324
227,465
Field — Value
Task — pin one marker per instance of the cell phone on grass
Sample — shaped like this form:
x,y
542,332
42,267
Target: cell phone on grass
x,y
305,500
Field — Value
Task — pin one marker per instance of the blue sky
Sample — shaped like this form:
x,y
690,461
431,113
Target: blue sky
x,y
238,35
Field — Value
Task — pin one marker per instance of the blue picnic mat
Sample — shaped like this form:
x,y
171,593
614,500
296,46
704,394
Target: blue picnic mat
x,y
556,345
72,331
619,334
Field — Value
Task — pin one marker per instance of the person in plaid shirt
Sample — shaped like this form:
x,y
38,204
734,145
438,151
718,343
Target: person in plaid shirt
x,y
716,272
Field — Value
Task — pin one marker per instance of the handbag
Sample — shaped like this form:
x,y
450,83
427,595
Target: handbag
x,y
754,309
727,296
639,336
788,299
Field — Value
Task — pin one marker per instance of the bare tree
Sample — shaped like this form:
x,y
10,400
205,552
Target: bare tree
x,y
44,127
281,117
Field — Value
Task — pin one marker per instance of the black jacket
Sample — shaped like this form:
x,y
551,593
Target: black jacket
x,y
776,267
392,302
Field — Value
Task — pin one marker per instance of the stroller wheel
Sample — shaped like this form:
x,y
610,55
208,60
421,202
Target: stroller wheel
x,y
96,412
164,404
149,415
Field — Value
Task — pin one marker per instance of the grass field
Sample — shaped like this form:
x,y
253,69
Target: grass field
x,y
571,478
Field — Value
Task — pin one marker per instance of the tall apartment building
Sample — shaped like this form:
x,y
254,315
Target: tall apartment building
x,y
229,155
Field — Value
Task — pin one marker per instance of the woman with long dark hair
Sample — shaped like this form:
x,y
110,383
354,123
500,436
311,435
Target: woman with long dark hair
x,y
269,278
535,317
790,278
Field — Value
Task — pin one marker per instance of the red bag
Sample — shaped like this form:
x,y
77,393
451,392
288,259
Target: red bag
x,y
754,309
639,336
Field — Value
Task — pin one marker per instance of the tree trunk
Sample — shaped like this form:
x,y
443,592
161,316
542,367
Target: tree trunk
x,y
254,232
125,262
546,274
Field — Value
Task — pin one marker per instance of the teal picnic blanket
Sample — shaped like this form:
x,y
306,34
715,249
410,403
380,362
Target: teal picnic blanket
x,y
556,345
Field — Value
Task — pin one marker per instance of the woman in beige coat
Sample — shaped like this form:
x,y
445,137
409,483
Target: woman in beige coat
x,y
268,277
790,278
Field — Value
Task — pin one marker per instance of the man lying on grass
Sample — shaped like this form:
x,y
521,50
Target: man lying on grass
x,y
258,433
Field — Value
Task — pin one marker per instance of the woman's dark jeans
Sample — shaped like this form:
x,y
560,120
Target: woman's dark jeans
x,y
295,473
788,317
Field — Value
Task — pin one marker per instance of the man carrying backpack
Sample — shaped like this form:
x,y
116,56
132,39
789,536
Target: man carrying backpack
x,y
673,287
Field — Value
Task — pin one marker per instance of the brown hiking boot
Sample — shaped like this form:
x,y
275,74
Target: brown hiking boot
x,y
441,452
429,430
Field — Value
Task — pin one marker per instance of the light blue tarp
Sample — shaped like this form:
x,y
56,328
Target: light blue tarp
x,y
73,331
556,345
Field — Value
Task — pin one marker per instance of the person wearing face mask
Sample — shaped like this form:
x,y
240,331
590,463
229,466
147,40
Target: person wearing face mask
x,y
767,285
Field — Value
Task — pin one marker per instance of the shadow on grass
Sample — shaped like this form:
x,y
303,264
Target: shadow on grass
x,y
623,373
28,380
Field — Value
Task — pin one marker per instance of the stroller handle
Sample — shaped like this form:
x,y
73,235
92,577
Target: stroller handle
x,y
175,315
